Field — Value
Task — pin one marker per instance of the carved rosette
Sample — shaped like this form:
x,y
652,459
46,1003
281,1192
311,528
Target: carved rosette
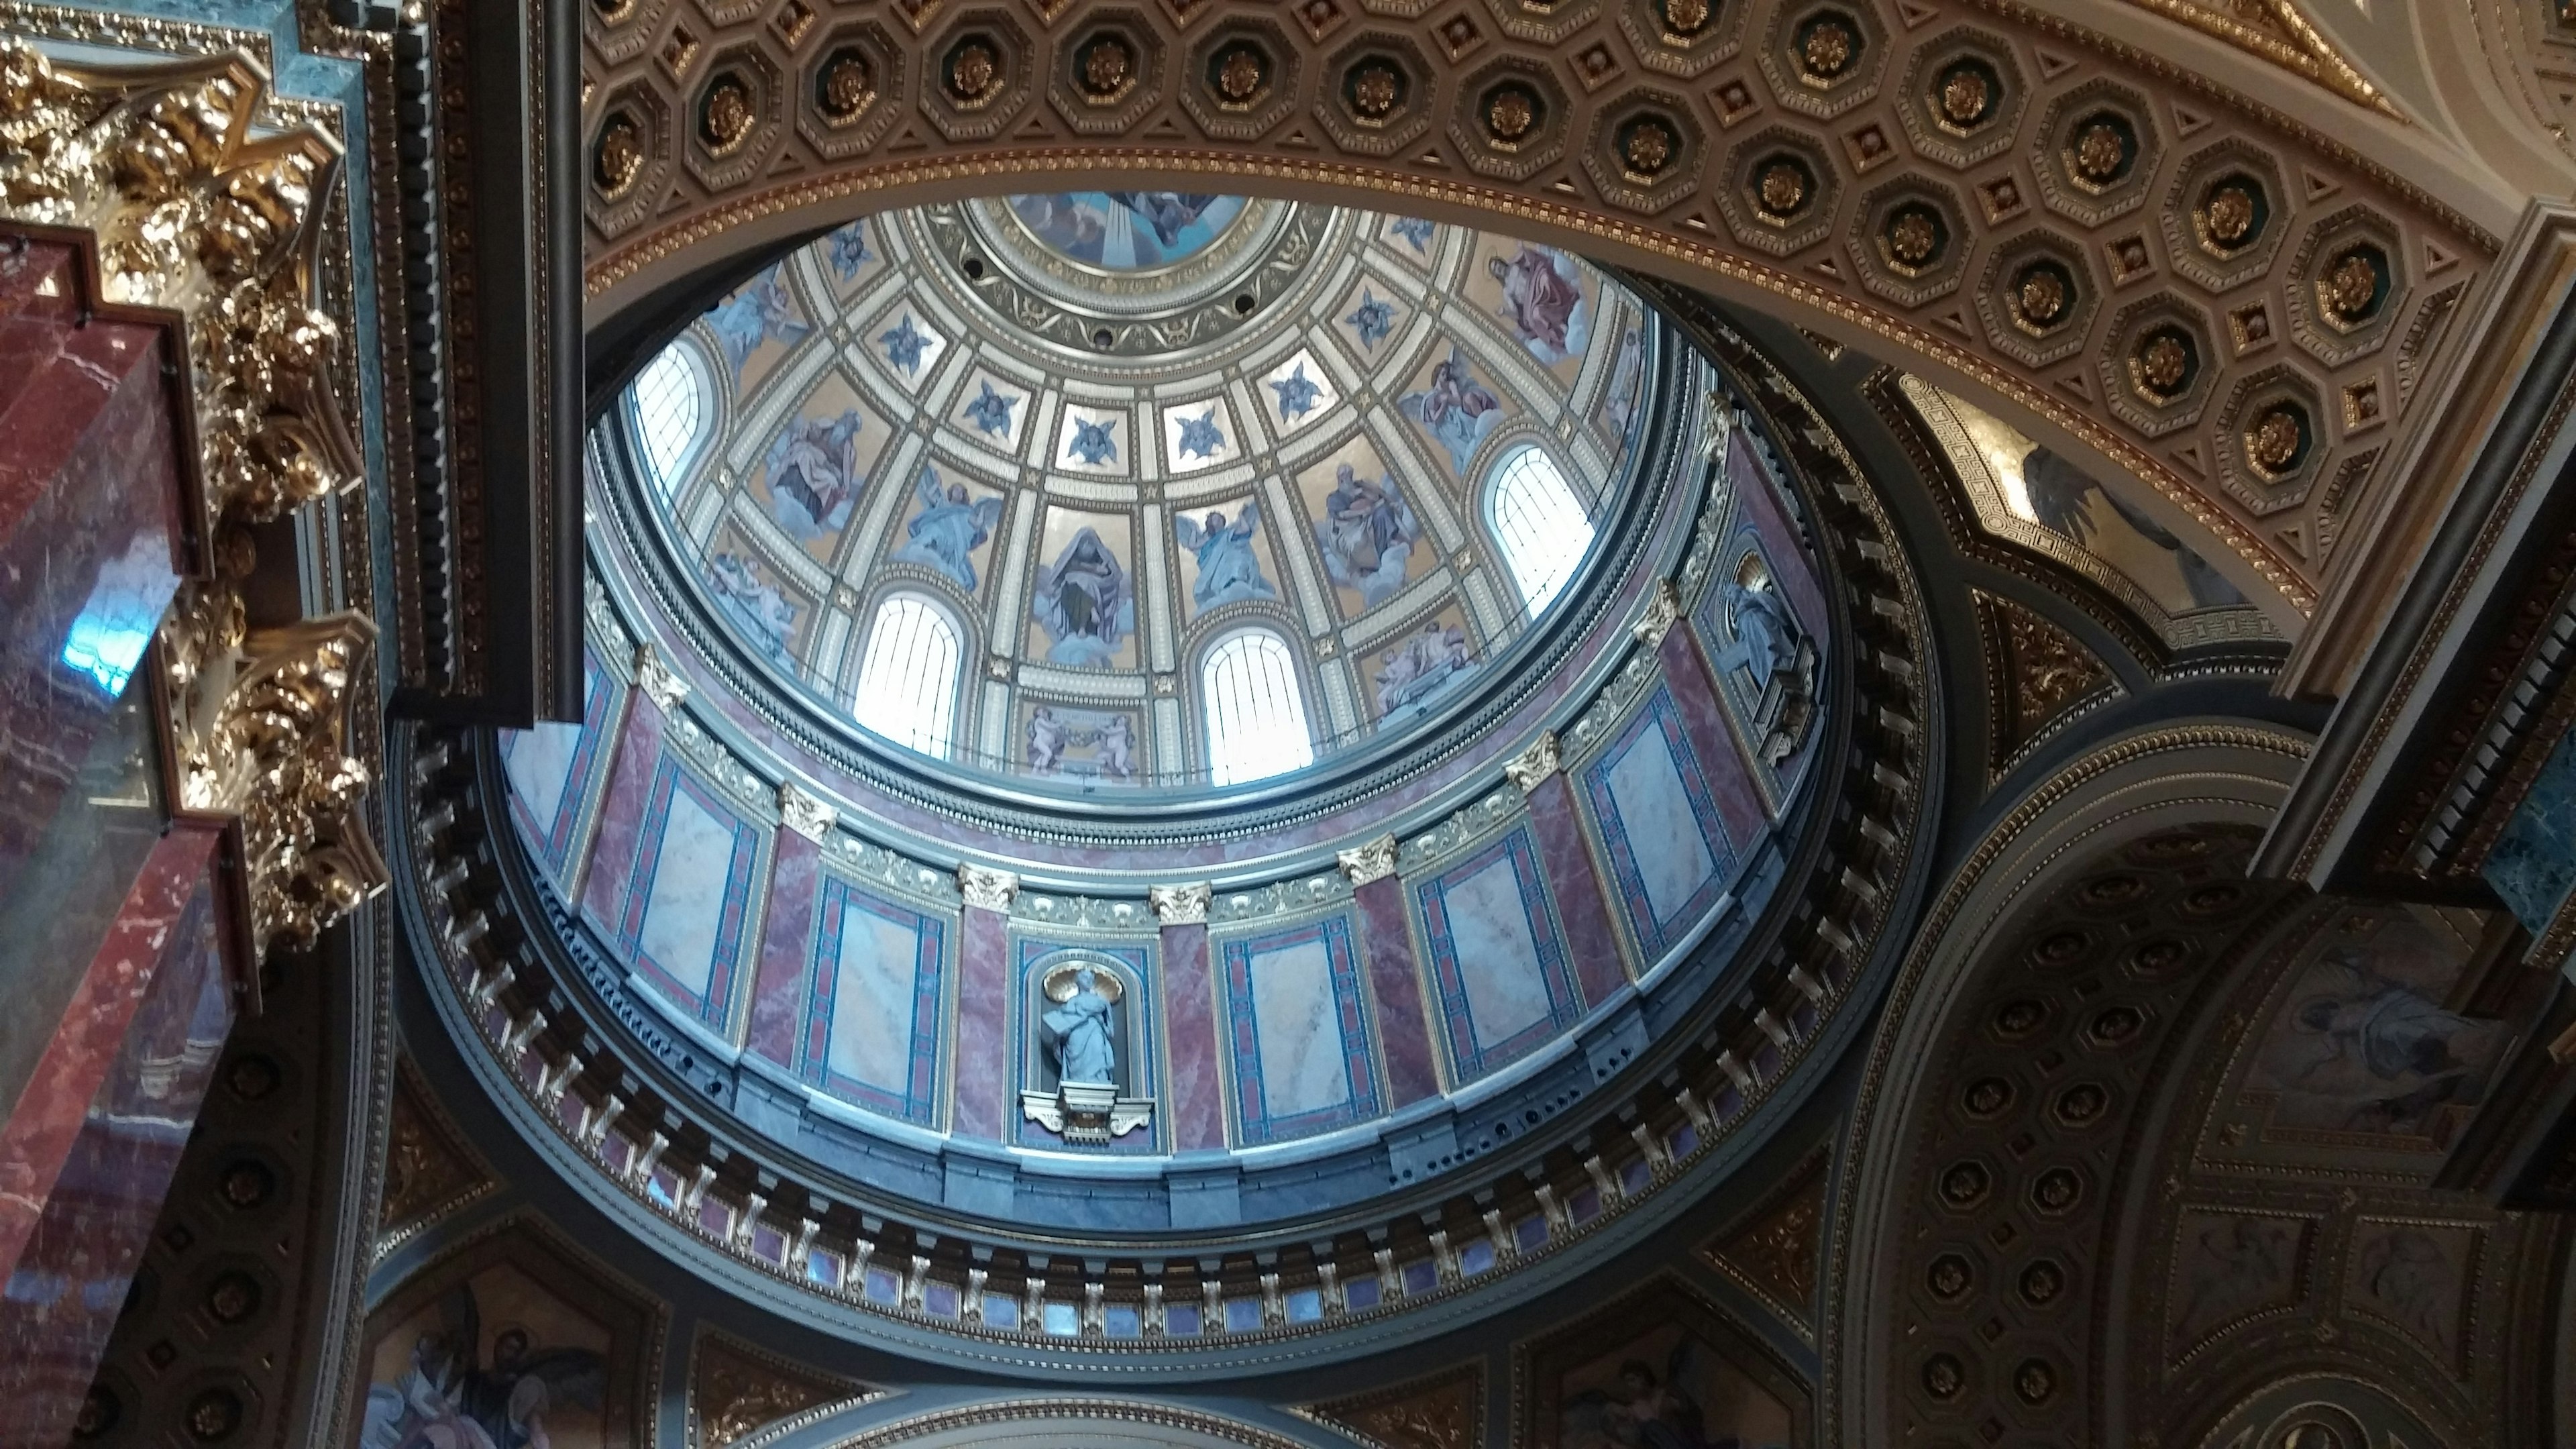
x,y
196,216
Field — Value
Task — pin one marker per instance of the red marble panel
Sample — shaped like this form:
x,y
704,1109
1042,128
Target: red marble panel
x,y
1721,758
984,1107
1395,986
1189,1023
778,990
1762,509
621,816
1589,937
88,1154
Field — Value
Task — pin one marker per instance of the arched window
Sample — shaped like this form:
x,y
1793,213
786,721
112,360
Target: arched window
x,y
672,413
1256,716
908,679
1537,522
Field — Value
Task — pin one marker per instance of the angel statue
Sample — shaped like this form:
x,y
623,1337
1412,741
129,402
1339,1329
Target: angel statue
x,y
446,1400
948,529
1228,568
1077,1030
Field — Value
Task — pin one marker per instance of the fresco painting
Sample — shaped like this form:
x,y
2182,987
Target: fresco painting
x,y
497,1362
1127,231
766,611
1665,1388
1542,296
1224,547
1366,530
950,527
817,463
1409,669
757,325
1082,610
1074,742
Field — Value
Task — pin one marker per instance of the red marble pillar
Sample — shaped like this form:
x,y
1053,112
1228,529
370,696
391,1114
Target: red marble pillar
x,y
88,1155
1197,1108
621,815
983,1102
1598,967
1395,985
1722,760
778,990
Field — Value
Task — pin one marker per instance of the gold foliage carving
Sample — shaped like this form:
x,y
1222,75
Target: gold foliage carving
x,y
2035,672
427,1175
196,215
1773,1251
1443,1411
735,1392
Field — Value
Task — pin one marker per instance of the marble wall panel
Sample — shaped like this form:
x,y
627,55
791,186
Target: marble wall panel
x,y
1496,956
778,996
555,772
636,751
1197,1114
984,1055
689,903
1667,849
873,1027
1395,988
1297,1033
1600,965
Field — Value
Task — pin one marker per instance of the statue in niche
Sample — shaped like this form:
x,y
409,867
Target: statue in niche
x,y
1078,1028
1772,648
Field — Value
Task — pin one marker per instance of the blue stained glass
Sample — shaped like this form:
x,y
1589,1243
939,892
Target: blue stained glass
x,y
1360,1293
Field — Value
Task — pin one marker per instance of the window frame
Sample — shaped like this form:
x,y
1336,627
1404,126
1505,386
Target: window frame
x,y
950,726
665,483
1233,644
1489,496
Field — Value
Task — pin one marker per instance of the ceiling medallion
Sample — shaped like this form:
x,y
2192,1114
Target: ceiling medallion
x,y
974,72
619,157
1376,90
845,87
2042,296
2231,214
1966,95
1108,69
2353,287
2103,152
1238,76
2277,443
1914,236
1781,187
1511,115
1683,19
1647,148
1826,50
724,117
1943,1377
2164,365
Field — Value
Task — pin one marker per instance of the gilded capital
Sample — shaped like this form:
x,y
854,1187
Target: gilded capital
x,y
1531,767
1663,610
805,814
1181,905
1719,425
987,888
1373,861
657,680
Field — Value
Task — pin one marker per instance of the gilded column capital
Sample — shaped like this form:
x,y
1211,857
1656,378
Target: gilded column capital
x,y
1530,768
657,679
1372,861
1181,905
1718,424
805,814
985,887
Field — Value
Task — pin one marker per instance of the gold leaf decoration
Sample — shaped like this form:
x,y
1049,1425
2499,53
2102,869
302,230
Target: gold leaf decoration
x,y
1443,1411
2035,671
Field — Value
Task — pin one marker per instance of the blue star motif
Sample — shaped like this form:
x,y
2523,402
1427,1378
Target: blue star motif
x,y
1297,394
1200,436
904,344
990,412
1374,319
850,250
1091,443
1414,230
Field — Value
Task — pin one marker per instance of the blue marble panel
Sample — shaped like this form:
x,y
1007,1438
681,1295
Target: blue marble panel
x,y
2533,864
1667,847
1496,955
1297,1033
872,1025
688,903
555,771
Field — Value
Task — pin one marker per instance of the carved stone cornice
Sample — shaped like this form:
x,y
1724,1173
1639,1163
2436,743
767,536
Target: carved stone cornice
x,y
657,680
987,888
1530,768
1663,610
194,215
1181,905
805,814
1374,860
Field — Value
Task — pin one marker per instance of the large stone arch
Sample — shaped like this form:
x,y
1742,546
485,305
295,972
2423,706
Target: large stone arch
x,y
1648,126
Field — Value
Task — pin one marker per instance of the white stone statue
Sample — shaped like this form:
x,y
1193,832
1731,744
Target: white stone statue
x,y
1078,1032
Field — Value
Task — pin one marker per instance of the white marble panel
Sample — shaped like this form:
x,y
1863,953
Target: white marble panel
x,y
1295,1020
539,764
871,1039
686,906
1664,837
1497,955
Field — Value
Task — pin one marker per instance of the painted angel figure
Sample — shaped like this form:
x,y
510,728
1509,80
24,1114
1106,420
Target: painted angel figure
x,y
760,311
1647,1407
2368,1051
447,1400
1117,749
947,529
1169,213
1047,739
1455,409
1078,1030
758,606
1367,535
1082,600
1543,301
1228,568
1417,668
2061,501
813,475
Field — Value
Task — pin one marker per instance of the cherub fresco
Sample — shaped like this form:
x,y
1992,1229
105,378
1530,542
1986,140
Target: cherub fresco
x,y
1083,602
1543,301
1627,382
760,311
1367,535
1455,409
2363,1044
1228,568
814,475
756,606
1421,665
1092,442
1053,733
448,1399
946,528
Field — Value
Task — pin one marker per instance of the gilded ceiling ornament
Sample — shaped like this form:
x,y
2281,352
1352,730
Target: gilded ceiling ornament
x,y
1781,189
1531,767
2040,297
2228,215
725,119
1511,114
618,158
1180,905
2101,152
1913,236
848,85
1967,96
2162,366
1239,74
1827,50
805,814
1108,64
2349,290
657,679
1374,860
986,888
1376,87
1648,148
2277,440
974,72
1685,18
612,12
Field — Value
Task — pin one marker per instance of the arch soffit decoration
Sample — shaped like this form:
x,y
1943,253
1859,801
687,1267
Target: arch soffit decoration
x,y
2189,774
1643,133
